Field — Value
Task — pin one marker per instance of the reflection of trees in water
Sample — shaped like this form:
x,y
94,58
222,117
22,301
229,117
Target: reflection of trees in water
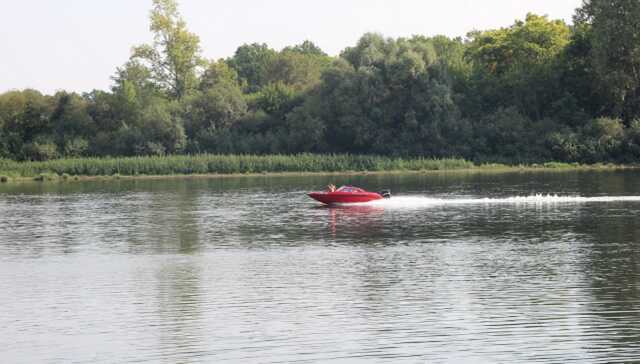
x,y
362,223
180,315
291,223
187,224
26,219
613,270
40,223
169,222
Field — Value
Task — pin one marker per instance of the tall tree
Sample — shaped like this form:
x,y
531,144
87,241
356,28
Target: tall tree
x,y
174,57
388,96
216,106
516,66
26,122
307,47
299,70
72,123
252,62
578,81
616,50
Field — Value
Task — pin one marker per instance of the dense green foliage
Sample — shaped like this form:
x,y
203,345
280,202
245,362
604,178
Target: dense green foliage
x,y
538,90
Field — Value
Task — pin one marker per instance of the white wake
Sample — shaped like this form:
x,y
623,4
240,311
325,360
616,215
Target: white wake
x,y
539,199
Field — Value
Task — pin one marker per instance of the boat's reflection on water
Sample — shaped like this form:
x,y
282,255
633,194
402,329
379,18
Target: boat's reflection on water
x,y
358,219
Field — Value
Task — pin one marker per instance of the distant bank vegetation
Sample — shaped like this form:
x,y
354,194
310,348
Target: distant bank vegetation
x,y
220,164
536,91
211,164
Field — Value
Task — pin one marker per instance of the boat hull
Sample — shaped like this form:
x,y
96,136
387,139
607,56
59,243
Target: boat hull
x,y
338,197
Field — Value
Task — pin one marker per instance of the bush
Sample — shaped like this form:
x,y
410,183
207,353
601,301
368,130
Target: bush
x,y
602,140
39,151
46,177
76,147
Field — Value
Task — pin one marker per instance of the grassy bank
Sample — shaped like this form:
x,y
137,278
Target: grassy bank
x,y
222,164
206,164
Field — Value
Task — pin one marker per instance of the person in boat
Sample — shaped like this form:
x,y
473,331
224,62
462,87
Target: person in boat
x,y
331,187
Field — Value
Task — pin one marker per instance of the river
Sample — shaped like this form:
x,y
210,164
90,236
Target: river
x,y
455,267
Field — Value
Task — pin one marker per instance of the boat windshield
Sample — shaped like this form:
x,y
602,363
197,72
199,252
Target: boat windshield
x,y
350,189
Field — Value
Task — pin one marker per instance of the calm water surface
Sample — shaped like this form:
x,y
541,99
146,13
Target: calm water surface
x,y
454,268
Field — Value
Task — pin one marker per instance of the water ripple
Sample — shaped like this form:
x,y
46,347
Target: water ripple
x,y
198,272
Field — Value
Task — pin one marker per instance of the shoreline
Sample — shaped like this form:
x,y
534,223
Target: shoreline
x,y
482,169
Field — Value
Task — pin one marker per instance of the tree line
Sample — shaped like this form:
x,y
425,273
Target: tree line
x,y
537,90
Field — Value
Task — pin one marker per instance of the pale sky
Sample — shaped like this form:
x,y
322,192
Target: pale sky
x,y
76,45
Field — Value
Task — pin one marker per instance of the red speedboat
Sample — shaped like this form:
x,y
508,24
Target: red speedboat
x,y
348,194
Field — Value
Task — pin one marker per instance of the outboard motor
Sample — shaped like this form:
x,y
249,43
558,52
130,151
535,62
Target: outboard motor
x,y
385,193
